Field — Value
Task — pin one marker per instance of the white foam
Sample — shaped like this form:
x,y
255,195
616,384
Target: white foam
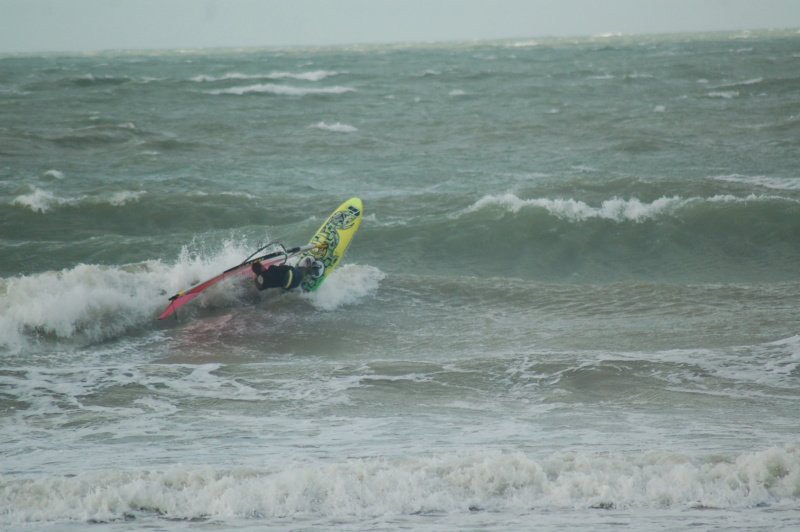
x,y
317,75
39,200
43,201
211,79
616,209
124,197
338,127
91,302
778,183
281,90
457,92
53,174
725,95
244,195
753,81
94,301
346,285
491,481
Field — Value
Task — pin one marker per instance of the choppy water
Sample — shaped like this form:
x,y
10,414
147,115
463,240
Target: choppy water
x,y
573,301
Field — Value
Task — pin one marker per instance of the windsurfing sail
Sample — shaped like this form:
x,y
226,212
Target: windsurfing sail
x,y
275,257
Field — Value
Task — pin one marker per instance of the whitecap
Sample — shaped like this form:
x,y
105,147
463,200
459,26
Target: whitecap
x,y
42,201
778,183
92,302
281,90
53,174
117,199
616,209
753,81
211,79
726,95
433,484
317,75
245,195
337,127
346,285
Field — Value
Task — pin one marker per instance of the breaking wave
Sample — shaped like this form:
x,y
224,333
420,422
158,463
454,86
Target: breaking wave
x,y
490,481
90,303
338,127
616,209
43,201
281,90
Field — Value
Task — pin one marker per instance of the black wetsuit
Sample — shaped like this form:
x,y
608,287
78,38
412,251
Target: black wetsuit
x,y
278,276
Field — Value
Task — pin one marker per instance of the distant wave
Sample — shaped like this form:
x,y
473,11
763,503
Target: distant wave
x,y
726,95
92,80
616,209
39,200
737,83
281,90
317,75
53,174
337,127
778,183
42,201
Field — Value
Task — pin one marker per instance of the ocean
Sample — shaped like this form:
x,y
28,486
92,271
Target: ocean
x,y
573,302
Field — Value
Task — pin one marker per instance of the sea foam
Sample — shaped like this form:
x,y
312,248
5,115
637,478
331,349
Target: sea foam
x,y
345,286
778,183
43,201
39,200
489,481
88,303
616,209
338,127
281,90
317,75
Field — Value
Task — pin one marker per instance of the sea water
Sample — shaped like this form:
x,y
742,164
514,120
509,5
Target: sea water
x,y
572,303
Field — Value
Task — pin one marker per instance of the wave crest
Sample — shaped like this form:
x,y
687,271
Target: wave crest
x,y
346,285
43,201
615,209
492,481
281,90
317,75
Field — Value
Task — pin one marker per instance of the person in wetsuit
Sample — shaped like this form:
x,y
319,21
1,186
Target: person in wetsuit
x,y
285,276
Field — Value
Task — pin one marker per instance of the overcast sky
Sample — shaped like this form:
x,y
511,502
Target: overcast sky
x,y
90,25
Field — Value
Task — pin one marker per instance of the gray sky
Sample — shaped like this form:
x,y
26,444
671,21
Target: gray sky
x,y
90,25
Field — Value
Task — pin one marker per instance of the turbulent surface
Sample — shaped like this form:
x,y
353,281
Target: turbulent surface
x,y
573,300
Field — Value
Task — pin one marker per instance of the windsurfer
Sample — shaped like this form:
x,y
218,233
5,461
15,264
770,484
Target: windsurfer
x,y
285,276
